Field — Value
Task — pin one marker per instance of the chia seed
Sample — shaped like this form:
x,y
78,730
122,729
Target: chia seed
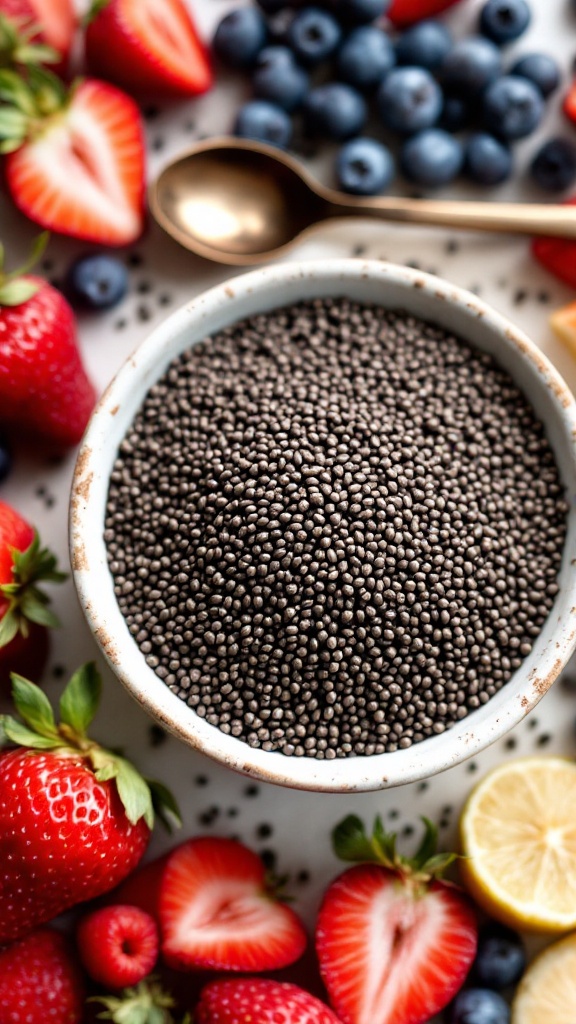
x,y
335,530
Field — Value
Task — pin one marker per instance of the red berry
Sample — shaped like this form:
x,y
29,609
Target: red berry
x,y
40,981
118,945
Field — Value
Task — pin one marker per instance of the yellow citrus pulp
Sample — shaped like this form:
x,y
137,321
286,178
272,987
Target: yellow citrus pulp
x,y
518,838
547,992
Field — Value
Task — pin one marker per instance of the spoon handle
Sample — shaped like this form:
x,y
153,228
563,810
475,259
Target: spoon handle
x,y
518,218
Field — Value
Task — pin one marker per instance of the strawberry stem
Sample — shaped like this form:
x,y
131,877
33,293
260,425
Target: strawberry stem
x,y
38,730
351,843
23,600
146,1003
17,48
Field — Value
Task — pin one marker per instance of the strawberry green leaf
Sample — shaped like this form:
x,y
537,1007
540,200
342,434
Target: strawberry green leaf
x,y
134,793
164,804
146,1003
429,844
33,707
9,628
23,737
350,842
437,865
79,701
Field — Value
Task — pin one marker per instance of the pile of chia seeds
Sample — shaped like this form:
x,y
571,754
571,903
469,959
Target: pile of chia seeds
x,y
335,530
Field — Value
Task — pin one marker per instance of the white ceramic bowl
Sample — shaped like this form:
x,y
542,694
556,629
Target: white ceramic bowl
x,y
366,281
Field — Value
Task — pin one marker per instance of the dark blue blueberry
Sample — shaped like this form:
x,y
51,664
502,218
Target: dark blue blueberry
x,y
265,122
334,111
455,113
314,34
409,100
5,459
365,57
278,78
487,160
360,12
96,281
554,165
364,167
500,958
424,44
470,66
432,157
479,1006
512,107
502,21
540,69
240,36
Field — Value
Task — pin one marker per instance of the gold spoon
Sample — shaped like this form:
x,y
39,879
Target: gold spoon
x,y
241,202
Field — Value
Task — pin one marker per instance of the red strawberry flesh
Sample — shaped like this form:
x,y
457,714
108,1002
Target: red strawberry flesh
x,y
388,956
148,46
215,911
83,175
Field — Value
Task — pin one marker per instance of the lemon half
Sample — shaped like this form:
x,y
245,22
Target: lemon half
x,y
547,992
518,837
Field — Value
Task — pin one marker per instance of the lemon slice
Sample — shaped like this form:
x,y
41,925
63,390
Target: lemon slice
x,y
518,835
547,992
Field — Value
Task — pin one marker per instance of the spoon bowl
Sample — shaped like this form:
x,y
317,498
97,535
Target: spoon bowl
x,y
242,202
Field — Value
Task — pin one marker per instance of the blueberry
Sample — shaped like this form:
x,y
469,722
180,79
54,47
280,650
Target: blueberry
x,y
479,1006
360,12
240,36
500,958
96,281
5,459
512,107
265,122
540,69
365,57
364,167
314,34
502,21
554,165
432,157
278,78
487,160
424,44
470,66
409,100
455,113
334,111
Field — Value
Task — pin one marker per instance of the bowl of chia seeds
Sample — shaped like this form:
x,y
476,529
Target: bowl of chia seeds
x,y
322,524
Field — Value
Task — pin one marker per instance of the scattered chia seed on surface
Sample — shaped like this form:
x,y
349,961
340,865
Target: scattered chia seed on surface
x,y
335,530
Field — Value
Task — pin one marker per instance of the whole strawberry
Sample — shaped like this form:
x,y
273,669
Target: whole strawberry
x,y
394,941
259,1001
75,159
24,613
40,981
147,47
75,818
45,393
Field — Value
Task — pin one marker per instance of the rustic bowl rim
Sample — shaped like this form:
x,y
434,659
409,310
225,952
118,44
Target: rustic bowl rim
x,y
268,288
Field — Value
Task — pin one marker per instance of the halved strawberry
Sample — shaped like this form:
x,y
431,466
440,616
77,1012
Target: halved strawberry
x,y
394,942
216,911
406,12
147,47
76,165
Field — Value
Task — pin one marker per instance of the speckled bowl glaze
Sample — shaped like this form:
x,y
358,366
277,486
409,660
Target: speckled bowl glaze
x,y
394,287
